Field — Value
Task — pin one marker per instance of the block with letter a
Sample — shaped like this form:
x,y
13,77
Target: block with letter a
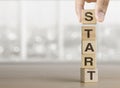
x,y
88,47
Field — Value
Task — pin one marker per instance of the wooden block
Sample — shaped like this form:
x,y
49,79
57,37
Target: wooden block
x,y
88,61
88,33
88,47
89,75
88,17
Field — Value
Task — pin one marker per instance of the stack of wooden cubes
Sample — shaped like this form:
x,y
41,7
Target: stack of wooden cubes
x,y
89,71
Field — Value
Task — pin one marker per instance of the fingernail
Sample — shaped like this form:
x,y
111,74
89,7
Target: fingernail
x,y
100,16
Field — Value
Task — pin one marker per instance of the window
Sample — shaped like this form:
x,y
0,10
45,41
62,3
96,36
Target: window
x,y
45,30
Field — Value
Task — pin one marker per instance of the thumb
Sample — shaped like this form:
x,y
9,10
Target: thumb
x,y
101,8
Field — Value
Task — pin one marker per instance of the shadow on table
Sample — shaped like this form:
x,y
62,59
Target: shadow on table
x,y
59,79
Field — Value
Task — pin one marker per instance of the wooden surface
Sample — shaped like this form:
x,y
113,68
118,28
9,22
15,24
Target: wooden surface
x,y
55,76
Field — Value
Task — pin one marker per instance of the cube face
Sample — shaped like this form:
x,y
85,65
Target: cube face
x,y
88,17
88,61
88,33
88,47
89,75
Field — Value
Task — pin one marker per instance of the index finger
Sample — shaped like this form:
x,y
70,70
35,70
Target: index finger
x,y
79,7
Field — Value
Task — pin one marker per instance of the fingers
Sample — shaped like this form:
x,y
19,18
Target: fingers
x,y
100,11
79,5
101,8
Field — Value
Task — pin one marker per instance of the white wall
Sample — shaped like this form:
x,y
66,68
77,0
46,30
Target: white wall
x,y
41,30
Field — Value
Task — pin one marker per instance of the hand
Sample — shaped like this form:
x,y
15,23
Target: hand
x,y
100,10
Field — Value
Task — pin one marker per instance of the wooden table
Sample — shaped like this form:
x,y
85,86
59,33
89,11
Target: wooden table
x,y
55,75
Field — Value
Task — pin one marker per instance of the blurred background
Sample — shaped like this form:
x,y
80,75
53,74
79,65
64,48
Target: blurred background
x,y
48,30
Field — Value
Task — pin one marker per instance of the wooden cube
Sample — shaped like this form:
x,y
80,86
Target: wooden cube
x,y
89,75
88,61
88,33
88,47
88,17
